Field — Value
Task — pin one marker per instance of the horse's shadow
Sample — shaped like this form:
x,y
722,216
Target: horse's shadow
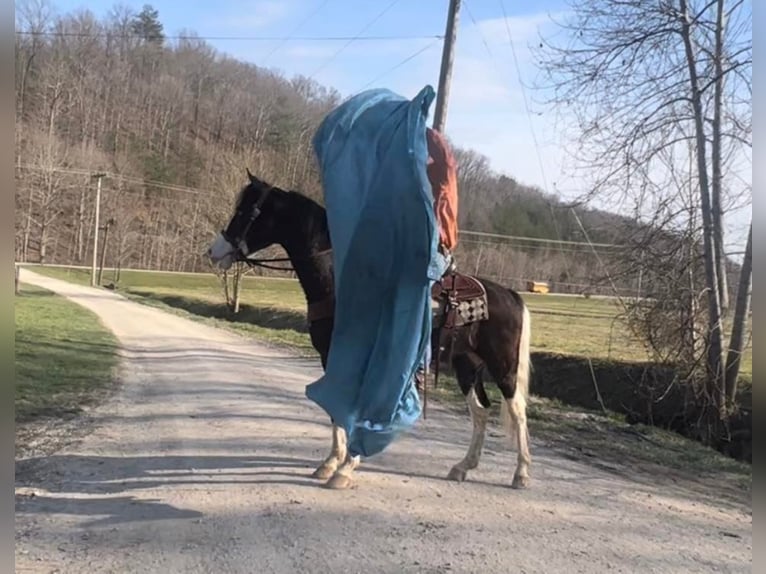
x,y
88,474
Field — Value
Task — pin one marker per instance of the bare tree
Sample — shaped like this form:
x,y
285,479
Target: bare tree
x,y
741,313
649,87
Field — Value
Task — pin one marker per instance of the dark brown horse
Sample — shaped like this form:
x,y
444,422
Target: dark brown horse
x,y
265,215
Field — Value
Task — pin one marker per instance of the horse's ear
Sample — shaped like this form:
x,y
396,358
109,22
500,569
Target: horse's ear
x,y
250,176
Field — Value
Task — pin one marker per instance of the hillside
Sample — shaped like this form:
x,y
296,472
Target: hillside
x,y
116,95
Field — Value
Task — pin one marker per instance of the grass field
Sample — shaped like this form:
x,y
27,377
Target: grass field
x,y
64,356
274,309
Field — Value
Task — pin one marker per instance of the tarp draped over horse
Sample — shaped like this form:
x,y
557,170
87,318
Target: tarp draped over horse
x,y
372,155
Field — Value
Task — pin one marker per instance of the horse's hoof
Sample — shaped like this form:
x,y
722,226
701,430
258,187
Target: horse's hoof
x,y
339,482
520,481
457,474
323,472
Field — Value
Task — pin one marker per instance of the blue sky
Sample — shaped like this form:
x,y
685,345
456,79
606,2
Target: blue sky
x,y
486,106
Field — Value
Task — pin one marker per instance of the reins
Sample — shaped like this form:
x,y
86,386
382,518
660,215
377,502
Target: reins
x,y
264,263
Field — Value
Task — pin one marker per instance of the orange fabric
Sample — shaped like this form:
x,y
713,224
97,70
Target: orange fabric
x,y
442,173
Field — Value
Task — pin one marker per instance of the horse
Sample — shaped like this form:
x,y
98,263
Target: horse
x,y
265,215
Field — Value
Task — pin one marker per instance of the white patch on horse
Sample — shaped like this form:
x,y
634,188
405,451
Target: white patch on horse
x,y
221,252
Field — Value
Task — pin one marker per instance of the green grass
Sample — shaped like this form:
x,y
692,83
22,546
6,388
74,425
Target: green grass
x,y
64,356
274,309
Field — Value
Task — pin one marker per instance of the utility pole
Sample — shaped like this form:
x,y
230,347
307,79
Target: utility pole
x,y
103,248
445,74
98,177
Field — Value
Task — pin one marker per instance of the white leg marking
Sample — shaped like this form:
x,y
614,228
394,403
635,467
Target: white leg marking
x,y
519,434
479,418
337,454
515,409
343,477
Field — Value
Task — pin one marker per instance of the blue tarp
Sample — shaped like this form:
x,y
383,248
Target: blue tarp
x,y
372,156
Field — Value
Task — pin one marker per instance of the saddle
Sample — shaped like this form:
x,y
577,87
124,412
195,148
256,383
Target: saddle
x,y
462,299
458,287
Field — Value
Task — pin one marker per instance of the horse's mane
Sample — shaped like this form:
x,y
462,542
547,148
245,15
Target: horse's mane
x,y
305,204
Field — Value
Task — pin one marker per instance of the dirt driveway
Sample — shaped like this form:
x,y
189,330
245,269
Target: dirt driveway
x,y
201,463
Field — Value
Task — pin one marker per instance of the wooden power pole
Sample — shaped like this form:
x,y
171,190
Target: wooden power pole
x,y
445,74
98,177
104,248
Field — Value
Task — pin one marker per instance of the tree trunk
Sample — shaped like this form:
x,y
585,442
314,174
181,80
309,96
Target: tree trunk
x,y
716,159
28,223
226,295
716,380
80,226
741,312
42,251
237,288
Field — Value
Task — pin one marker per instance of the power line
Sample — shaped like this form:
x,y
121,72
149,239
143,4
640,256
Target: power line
x,y
125,178
481,35
354,38
540,240
350,39
294,30
555,249
399,65
540,158
528,111
524,96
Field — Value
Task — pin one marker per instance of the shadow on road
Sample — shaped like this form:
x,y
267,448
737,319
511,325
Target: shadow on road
x,y
110,510
85,474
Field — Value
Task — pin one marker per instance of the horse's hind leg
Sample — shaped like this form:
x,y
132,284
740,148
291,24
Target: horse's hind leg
x,y
515,388
515,421
468,370
336,457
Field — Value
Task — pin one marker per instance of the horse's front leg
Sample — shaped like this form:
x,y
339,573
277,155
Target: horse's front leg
x,y
343,477
469,375
336,457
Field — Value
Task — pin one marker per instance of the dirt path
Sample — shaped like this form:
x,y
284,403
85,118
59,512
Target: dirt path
x,y
201,463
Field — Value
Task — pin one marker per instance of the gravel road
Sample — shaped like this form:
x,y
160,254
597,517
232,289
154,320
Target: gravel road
x,y
201,461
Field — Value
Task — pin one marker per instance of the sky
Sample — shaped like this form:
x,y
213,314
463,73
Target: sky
x,y
486,109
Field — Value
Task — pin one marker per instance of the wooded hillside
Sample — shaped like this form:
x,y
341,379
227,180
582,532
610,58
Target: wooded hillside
x,y
174,123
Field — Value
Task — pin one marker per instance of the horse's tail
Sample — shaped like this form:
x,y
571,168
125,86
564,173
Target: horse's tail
x,y
523,371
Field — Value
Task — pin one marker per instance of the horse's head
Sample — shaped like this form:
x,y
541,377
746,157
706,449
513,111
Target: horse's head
x,y
252,227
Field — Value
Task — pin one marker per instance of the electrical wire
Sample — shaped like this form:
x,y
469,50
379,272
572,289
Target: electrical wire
x,y
357,38
353,39
399,65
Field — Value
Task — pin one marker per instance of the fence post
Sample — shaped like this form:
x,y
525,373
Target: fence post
x,y
17,271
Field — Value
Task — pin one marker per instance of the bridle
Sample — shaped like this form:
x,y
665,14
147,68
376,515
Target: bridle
x,y
238,242
240,245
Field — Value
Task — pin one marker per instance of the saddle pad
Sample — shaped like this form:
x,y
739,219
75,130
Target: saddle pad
x,y
471,311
